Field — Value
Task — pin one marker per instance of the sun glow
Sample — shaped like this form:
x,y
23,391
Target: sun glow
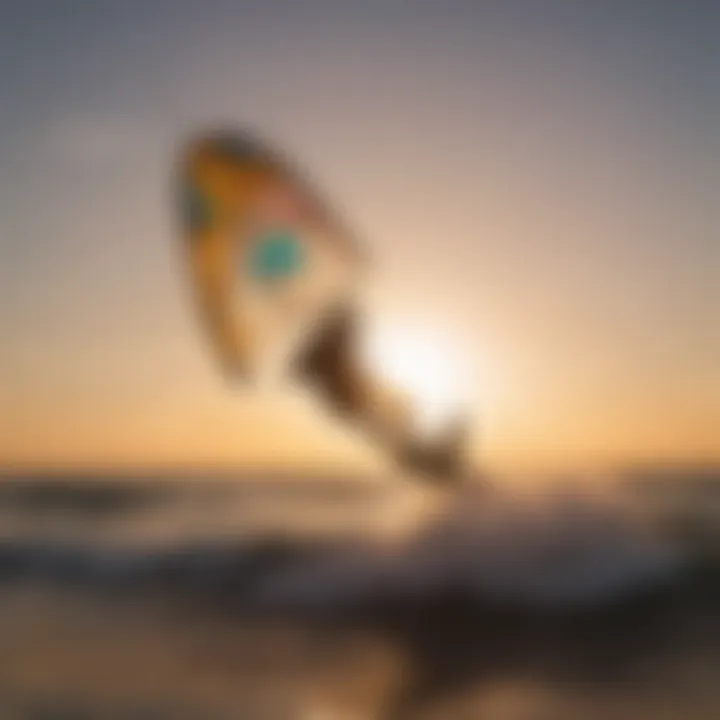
x,y
429,364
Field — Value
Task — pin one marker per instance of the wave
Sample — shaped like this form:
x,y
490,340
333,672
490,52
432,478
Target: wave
x,y
561,546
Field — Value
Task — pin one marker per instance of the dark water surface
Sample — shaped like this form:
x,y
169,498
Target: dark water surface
x,y
334,598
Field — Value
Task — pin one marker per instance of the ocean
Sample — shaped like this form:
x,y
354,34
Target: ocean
x,y
201,595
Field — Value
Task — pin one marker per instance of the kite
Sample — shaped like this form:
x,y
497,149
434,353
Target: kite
x,y
277,276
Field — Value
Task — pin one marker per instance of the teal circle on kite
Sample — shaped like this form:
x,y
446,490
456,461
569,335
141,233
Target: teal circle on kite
x,y
276,256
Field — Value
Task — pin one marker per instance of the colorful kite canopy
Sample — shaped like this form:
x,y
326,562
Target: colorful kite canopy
x,y
275,275
269,258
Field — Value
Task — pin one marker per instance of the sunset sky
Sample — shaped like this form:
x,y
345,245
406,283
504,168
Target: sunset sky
x,y
539,180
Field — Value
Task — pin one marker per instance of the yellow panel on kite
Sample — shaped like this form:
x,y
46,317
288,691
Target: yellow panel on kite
x,y
269,259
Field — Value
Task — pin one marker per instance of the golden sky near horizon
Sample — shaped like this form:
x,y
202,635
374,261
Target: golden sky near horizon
x,y
539,185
